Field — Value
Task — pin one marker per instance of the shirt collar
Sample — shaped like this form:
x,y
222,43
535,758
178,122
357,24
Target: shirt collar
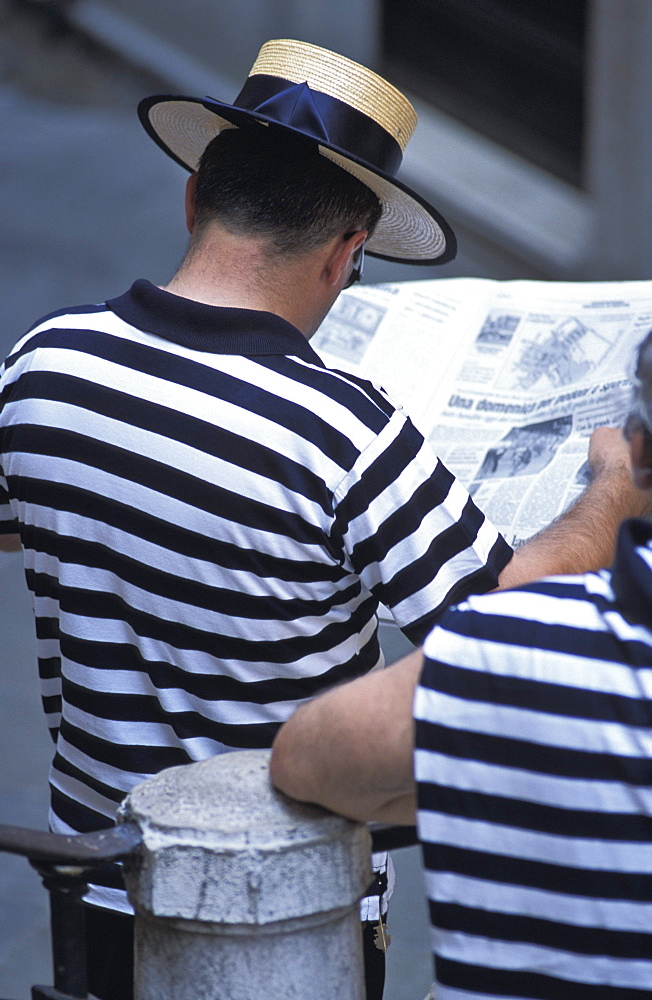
x,y
202,327
631,579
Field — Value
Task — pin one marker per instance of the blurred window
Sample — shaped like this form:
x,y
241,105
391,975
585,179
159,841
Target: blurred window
x,y
511,69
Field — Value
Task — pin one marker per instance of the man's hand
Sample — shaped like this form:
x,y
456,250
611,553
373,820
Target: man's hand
x,y
610,455
9,543
608,450
584,537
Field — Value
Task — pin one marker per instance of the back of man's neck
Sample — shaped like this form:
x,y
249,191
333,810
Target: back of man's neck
x,y
216,292
232,273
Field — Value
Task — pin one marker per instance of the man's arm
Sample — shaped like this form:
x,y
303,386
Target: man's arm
x,y
9,543
584,537
351,749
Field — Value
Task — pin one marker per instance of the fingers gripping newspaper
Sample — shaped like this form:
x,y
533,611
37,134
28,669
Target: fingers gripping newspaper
x,y
506,379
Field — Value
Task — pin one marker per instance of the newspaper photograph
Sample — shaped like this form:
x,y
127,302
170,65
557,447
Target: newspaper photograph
x,y
506,379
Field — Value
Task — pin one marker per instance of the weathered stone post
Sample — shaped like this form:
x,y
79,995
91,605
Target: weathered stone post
x,y
241,894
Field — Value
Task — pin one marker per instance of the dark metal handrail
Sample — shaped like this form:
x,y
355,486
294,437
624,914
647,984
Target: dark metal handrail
x,y
103,846
88,849
64,864
391,838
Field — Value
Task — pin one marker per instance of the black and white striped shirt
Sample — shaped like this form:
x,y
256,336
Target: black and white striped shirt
x,y
534,769
210,518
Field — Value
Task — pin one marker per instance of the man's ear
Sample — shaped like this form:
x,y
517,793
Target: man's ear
x,y
340,259
641,450
191,187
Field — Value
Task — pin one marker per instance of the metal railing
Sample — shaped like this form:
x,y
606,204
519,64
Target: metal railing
x,y
65,864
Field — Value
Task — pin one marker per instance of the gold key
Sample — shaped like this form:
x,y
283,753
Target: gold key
x,y
382,939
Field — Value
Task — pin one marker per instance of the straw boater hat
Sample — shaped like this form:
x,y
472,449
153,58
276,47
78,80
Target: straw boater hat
x,y
358,120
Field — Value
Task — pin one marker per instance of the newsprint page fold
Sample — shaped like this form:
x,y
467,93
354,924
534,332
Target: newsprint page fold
x,y
506,379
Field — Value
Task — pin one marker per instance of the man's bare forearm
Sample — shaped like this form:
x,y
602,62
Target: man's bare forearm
x,y
350,750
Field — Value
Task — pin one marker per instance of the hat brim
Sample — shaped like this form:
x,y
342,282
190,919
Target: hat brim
x,y
409,231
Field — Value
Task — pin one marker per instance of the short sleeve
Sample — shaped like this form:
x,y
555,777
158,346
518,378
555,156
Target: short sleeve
x,y
412,531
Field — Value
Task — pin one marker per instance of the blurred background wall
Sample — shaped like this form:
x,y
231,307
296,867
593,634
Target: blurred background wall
x,y
535,124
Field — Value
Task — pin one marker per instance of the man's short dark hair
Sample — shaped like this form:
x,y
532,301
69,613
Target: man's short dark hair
x,y
259,183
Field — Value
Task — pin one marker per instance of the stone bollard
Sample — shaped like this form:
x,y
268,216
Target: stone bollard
x,y
241,893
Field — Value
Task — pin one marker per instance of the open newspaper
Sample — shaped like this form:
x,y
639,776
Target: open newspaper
x,y
506,379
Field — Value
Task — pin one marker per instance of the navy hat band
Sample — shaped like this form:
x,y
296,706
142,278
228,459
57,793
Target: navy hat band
x,y
319,116
322,104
